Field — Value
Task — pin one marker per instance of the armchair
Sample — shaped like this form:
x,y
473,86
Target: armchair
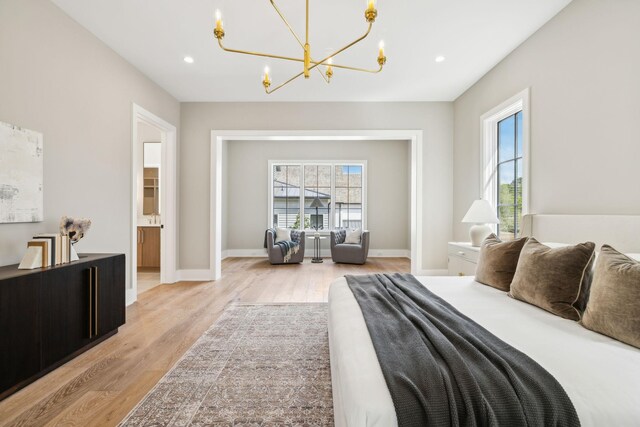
x,y
275,253
349,253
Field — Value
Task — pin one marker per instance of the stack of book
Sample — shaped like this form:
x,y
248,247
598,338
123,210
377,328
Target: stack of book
x,y
46,250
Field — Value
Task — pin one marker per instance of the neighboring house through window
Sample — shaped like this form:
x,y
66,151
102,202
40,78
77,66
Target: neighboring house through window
x,y
505,167
339,188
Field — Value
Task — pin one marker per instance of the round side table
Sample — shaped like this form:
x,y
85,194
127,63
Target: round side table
x,y
316,247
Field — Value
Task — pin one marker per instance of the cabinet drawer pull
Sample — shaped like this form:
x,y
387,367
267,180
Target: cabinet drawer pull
x,y
90,302
142,235
95,296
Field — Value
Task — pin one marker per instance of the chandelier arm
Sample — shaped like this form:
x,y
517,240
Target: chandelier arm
x,y
364,70
358,40
267,55
287,24
264,55
322,74
269,92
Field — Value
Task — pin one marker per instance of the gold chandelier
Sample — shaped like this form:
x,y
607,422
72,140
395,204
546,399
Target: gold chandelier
x,y
308,62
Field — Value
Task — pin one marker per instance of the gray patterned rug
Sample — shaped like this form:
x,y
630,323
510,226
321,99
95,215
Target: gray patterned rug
x,y
258,365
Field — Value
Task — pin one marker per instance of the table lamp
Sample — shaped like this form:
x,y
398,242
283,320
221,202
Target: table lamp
x,y
480,214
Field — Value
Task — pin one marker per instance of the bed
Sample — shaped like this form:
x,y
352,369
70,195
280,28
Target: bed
x,y
600,375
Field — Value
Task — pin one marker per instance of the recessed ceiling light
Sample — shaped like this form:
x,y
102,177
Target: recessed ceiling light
x,y
440,58
188,59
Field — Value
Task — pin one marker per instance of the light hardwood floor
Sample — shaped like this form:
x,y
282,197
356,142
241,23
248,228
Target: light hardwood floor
x,y
101,386
148,278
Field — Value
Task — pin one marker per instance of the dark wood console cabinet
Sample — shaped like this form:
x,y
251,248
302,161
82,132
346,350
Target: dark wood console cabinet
x,y
50,315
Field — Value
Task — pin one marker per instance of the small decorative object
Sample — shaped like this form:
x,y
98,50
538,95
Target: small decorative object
x,y
75,229
21,172
36,256
480,214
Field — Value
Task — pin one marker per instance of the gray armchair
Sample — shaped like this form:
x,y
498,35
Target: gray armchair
x,y
349,253
275,253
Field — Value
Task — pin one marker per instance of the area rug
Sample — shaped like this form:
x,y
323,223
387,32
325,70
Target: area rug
x,y
258,365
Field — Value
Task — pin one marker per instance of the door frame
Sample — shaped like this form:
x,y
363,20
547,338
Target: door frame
x,y
168,199
220,137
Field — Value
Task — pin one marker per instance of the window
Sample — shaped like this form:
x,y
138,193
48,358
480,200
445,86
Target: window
x,y
505,163
325,195
286,195
509,180
348,196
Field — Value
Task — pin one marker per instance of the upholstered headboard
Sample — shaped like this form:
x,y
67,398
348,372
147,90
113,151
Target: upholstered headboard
x,y
620,231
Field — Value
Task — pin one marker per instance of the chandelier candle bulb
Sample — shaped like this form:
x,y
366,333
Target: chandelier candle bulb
x,y
382,59
371,4
329,68
266,81
218,32
218,20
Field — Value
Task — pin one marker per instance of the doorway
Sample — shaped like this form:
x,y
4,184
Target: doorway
x,y
148,207
221,137
153,219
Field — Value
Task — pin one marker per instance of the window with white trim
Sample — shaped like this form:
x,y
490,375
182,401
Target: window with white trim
x,y
505,149
326,195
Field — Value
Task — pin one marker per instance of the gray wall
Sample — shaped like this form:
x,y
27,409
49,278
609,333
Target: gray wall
x,y
58,79
583,71
198,119
247,173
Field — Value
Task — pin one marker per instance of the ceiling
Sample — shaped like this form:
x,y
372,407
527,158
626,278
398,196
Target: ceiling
x,y
155,36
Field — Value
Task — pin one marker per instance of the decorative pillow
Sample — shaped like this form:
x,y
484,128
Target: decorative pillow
x,y
497,261
353,236
554,279
613,308
283,235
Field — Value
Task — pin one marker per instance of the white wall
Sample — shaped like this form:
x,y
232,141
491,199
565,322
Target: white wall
x,y
387,186
583,68
57,78
198,119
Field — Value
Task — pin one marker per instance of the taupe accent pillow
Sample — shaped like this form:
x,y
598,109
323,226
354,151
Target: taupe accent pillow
x,y
497,261
614,304
554,279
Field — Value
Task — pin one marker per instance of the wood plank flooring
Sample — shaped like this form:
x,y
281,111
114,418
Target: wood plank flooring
x,y
101,386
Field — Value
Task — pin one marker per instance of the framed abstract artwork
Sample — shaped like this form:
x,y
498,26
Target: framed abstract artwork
x,y
21,174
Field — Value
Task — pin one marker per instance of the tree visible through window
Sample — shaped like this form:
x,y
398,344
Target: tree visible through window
x,y
510,176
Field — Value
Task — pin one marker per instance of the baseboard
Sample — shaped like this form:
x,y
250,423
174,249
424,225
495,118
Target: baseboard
x,y
244,253
194,275
308,253
390,253
432,273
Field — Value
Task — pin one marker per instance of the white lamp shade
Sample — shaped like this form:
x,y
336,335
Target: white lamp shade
x,y
481,212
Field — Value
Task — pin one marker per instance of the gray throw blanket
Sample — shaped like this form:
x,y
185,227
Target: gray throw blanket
x,y
288,247
443,369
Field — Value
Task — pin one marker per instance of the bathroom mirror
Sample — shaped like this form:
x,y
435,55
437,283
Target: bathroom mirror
x,y
151,179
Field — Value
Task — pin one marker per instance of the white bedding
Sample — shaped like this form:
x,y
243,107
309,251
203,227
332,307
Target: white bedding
x,y
600,375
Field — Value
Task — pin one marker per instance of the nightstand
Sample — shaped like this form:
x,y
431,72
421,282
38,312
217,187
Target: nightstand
x,y
463,258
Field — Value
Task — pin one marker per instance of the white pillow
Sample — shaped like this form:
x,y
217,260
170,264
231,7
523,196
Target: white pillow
x,y
353,236
283,235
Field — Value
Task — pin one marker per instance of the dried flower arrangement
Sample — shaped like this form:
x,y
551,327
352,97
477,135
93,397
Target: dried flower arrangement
x,y
74,228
